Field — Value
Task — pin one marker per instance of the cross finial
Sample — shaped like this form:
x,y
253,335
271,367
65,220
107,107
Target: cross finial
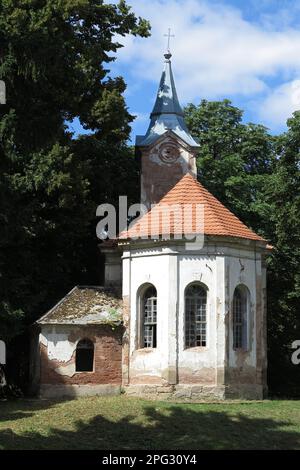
x,y
169,35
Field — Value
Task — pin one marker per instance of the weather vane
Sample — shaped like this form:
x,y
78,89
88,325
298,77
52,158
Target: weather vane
x,y
169,35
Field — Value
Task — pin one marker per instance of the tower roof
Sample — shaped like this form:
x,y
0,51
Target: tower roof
x,y
167,114
218,220
167,100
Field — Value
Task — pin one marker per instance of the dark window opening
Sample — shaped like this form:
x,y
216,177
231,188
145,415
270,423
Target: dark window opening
x,y
85,356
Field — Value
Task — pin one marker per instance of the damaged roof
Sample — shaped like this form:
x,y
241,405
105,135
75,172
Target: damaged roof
x,y
85,305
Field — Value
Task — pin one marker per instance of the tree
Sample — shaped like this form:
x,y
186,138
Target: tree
x,y
284,264
54,58
234,161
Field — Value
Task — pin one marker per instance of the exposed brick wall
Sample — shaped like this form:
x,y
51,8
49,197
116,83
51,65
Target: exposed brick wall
x,y
159,179
159,176
107,358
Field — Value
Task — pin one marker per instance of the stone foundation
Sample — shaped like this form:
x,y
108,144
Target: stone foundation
x,y
185,392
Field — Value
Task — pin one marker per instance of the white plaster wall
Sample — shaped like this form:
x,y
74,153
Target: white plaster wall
x,y
171,269
58,345
243,268
150,266
202,268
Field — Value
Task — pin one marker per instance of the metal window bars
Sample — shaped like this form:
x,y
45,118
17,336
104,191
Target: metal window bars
x,y
239,319
195,316
150,318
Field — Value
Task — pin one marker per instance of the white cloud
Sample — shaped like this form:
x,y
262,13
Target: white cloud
x,y
140,117
216,52
280,103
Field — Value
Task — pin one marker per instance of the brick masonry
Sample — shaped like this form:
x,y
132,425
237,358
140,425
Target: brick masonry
x,y
107,358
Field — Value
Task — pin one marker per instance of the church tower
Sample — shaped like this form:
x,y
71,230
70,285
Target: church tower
x,y
167,150
194,314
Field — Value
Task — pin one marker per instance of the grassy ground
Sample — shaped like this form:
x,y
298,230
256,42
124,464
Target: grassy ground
x,y
128,423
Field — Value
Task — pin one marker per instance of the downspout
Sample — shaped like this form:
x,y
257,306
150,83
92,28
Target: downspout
x,y
177,323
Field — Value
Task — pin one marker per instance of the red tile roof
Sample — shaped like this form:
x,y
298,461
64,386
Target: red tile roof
x,y
188,192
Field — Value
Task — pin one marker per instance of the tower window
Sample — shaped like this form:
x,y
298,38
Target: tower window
x,y
195,316
85,356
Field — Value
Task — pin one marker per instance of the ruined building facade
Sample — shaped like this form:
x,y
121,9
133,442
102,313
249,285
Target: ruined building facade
x,y
176,317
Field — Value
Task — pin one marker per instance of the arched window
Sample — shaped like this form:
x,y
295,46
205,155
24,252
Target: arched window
x,y
85,356
240,314
149,318
195,316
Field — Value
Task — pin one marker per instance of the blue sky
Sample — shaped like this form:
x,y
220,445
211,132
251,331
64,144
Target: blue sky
x,y
247,51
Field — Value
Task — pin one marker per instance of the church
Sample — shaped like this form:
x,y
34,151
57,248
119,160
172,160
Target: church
x,y
182,312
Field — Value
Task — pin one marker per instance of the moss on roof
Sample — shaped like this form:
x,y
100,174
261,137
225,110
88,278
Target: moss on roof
x,y
86,305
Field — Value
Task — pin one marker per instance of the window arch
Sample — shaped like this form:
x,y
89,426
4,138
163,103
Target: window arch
x,y
240,317
148,317
195,299
84,356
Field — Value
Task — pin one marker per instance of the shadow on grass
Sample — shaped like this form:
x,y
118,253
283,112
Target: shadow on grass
x,y
10,409
175,428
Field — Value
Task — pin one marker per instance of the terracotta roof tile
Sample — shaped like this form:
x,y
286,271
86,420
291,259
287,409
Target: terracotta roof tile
x,y
186,195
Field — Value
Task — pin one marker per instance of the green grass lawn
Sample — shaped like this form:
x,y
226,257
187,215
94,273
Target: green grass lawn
x,y
129,423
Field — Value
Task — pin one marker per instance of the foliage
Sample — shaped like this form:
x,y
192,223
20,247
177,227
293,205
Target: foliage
x,y
284,264
54,60
234,159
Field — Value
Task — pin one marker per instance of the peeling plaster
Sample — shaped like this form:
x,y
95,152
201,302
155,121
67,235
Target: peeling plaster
x,y
60,348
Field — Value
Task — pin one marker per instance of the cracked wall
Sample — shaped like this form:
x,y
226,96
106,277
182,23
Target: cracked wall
x,y
58,349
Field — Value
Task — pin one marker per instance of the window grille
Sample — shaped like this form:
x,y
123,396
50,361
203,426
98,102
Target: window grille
x,y
195,316
150,318
239,319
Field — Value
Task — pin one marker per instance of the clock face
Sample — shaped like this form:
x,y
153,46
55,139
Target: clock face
x,y
168,153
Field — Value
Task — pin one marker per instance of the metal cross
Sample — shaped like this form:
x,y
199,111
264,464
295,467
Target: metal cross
x,y
169,35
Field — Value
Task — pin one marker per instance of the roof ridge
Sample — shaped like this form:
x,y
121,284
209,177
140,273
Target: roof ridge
x,y
209,196
219,203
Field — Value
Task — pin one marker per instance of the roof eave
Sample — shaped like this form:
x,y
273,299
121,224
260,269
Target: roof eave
x,y
208,238
140,140
74,323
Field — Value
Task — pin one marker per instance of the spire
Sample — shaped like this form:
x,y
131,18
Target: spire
x,y
167,100
167,114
